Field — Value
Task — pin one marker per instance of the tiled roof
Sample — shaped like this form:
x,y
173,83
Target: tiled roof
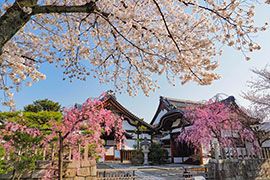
x,y
171,104
180,103
109,97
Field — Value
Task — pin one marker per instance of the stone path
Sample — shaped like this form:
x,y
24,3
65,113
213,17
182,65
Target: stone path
x,y
164,172
156,174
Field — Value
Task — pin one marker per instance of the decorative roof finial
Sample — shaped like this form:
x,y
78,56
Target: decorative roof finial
x,y
111,93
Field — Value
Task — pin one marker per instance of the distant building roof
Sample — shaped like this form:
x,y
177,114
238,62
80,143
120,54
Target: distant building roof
x,y
180,103
175,108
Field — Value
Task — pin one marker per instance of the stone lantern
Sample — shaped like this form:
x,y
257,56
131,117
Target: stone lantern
x,y
145,149
216,150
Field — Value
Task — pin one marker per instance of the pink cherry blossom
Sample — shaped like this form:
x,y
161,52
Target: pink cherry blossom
x,y
215,120
92,118
10,128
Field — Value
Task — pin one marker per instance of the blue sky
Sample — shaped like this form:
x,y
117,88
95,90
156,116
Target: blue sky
x,y
234,69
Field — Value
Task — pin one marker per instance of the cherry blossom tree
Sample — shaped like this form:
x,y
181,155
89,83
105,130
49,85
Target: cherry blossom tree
x,y
218,120
259,96
84,126
259,93
19,143
80,126
124,42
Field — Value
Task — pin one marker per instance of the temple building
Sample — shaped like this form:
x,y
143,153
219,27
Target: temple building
x,y
165,127
135,130
169,122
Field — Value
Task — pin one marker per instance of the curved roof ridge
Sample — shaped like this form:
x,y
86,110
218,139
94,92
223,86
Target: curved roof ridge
x,y
114,100
182,100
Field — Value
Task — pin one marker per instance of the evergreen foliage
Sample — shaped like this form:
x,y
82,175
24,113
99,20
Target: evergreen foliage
x,y
157,154
43,105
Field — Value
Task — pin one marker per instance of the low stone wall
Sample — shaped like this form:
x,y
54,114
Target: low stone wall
x,y
80,170
240,169
73,170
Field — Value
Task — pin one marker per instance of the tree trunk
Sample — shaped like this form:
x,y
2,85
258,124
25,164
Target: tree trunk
x,y
138,138
13,175
15,17
60,157
13,20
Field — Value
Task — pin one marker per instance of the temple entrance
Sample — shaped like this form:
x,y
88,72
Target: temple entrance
x,y
181,152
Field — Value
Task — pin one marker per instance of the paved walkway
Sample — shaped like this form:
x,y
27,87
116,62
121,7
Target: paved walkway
x,y
162,172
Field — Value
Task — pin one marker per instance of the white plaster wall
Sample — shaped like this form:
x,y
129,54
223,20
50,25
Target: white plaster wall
x,y
169,151
159,116
109,151
142,136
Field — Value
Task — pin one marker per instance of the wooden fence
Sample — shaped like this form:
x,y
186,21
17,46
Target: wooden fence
x,y
50,153
126,155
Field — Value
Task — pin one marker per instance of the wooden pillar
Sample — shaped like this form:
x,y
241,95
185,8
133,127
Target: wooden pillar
x,y
171,148
201,155
138,137
121,156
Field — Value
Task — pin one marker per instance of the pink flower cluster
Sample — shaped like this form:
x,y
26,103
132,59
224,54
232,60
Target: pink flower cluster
x,y
80,126
85,125
214,120
10,128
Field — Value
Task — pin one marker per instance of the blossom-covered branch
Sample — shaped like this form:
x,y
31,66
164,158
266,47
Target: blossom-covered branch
x,y
121,42
259,97
215,120
82,126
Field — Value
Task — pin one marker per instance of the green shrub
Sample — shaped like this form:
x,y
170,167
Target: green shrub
x,y
21,162
3,167
24,158
157,154
38,120
137,157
